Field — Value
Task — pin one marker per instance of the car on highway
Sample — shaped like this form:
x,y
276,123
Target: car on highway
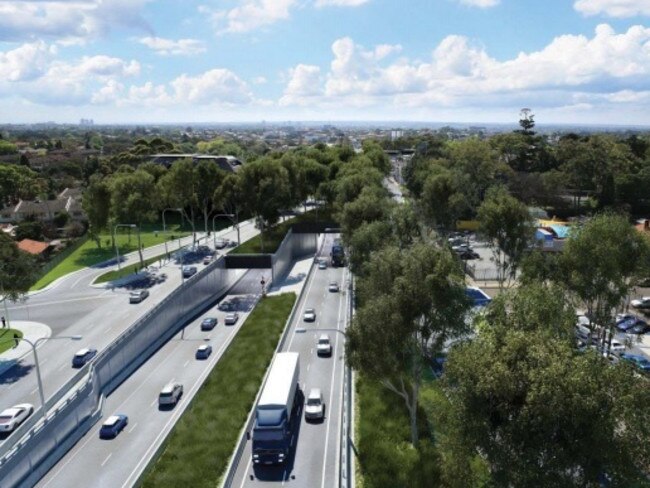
x,y
113,426
314,406
324,346
333,287
641,303
11,418
637,360
231,318
208,259
220,244
309,315
138,295
203,351
322,264
209,323
189,271
170,394
83,356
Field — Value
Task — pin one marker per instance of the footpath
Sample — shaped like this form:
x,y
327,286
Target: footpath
x,y
32,331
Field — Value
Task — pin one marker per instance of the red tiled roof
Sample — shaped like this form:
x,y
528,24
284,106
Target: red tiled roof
x,y
33,247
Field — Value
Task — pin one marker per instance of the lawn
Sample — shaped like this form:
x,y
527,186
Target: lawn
x,y
6,338
199,447
127,270
89,254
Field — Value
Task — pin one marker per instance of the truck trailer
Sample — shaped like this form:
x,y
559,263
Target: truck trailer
x,y
276,411
338,253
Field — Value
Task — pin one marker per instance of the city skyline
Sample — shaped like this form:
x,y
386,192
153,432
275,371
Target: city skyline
x,y
459,61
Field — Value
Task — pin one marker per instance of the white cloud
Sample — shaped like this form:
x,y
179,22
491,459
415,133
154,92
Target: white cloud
x,y
219,86
26,62
480,3
169,47
260,80
251,15
613,8
304,82
67,20
340,3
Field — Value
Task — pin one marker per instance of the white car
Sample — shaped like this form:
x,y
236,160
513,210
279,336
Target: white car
x,y
643,302
231,318
14,416
322,264
333,287
314,407
324,346
310,315
617,347
170,394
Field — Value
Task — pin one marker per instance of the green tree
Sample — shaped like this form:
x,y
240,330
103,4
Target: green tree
x,y
411,303
177,188
97,205
508,227
539,412
442,199
207,178
17,269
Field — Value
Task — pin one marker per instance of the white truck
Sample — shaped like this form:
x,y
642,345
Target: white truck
x,y
276,411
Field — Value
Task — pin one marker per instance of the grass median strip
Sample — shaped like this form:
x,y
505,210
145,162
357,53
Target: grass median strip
x,y
198,449
7,338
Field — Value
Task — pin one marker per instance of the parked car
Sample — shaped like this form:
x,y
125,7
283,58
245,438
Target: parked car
x,y
11,418
209,323
468,254
322,264
83,356
641,303
617,347
333,287
170,394
188,271
626,323
113,426
314,406
310,315
637,360
203,351
640,327
138,295
231,318
324,346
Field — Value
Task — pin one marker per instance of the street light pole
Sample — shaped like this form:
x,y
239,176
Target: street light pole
x,y
38,368
117,252
235,222
165,227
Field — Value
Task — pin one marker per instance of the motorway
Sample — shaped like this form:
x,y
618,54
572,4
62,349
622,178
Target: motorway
x,y
73,307
314,463
94,462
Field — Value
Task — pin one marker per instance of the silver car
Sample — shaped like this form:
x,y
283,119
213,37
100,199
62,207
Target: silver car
x,y
314,407
14,416
170,394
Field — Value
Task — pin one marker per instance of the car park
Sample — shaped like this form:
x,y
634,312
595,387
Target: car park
x,y
309,315
324,346
188,271
203,351
314,406
642,303
209,323
170,394
138,295
11,418
231,318
113,426
83,356
333,287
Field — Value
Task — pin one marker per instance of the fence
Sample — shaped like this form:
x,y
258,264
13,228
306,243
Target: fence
x,y
60,257
345,461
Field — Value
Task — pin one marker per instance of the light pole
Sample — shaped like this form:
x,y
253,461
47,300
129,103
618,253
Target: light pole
x,y
234,218
165,227
38,368
117,251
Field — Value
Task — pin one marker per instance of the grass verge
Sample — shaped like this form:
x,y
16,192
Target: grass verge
x,y
89,254
127,270
6,338
198,449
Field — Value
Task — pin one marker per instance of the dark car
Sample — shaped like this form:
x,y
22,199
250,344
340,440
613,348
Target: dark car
x,y
113,426
209,323
468,254
203,352
640,327
639,361
83,356
189,271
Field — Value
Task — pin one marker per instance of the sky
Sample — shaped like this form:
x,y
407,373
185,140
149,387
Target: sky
x,y
203,61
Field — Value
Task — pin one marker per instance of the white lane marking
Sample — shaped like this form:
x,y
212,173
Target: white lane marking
x,y
56,302
153,403
77,282
133,428
107,458
329,417
62,366
11,386
186,363
302,311
311,351
248,467
35,390
43,361
308,366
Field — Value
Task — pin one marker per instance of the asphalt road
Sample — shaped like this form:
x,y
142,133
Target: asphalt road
x,y
314,462
73,307
94,462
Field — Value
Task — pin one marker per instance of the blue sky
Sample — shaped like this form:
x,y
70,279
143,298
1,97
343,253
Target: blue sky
x,y
152,61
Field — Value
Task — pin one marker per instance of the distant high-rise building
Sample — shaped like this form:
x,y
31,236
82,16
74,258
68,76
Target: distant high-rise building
x,y
86,122
396,134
